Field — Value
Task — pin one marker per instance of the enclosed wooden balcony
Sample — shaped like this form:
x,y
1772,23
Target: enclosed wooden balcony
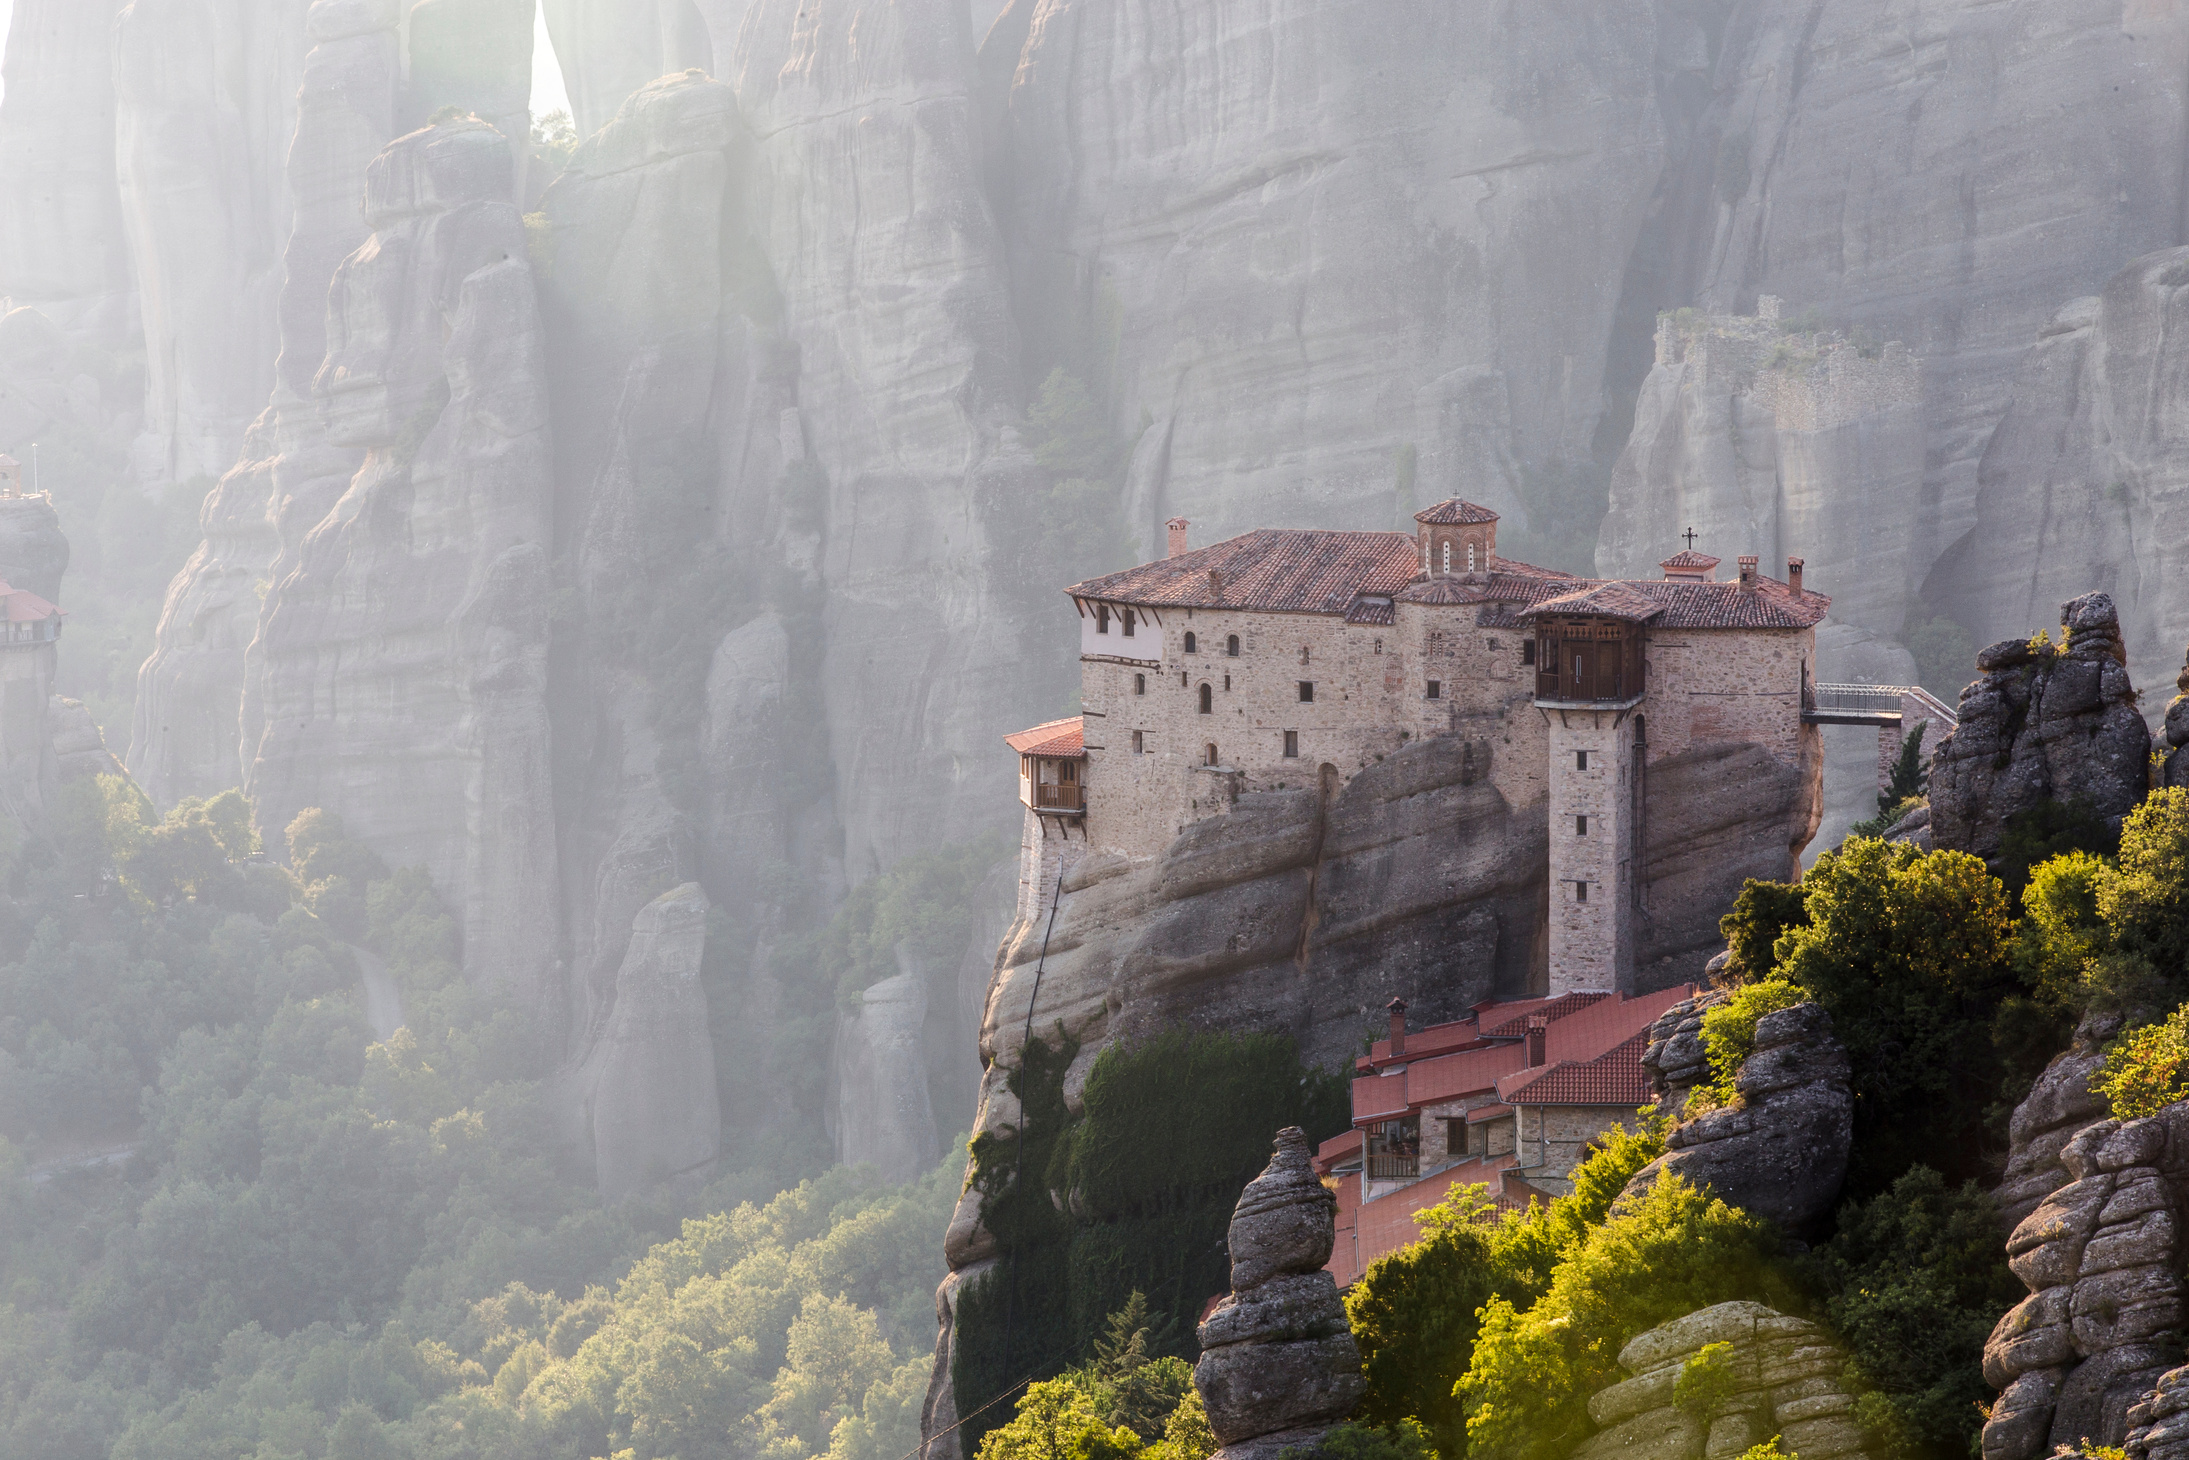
x,y
1588,661
1052,774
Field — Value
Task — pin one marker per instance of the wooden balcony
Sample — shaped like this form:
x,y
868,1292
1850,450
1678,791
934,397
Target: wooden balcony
x,y
1056,797
1394,1167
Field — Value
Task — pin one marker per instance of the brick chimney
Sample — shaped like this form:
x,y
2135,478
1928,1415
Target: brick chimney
x,y
1793,575
1397,1010
1177,526
1748,574
1538,1034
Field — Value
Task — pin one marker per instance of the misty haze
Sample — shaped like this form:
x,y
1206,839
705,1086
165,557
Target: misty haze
x,y
1094,730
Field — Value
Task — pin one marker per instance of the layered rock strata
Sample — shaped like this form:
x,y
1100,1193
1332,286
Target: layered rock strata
x,y
2158,1424
1675,1057
2099,1258
652,1111
404,658
1785,1381
1781,1150
882,1115
2042,724
1278,1364
187,736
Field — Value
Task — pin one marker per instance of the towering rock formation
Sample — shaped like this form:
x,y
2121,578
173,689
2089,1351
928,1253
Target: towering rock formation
x,y
404,659
1278,1364
2045,723
610,48
205,112
649,1088
476,56
1347,313
187,739
883,1116
896,293
63,249
1945,173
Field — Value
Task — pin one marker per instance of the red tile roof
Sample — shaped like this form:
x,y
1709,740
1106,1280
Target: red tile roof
x,y
1508,1020
1272,570
25,606
1604,600
1372,611
1061,738
1615,1077
1686,604
1452,509
1689,561
1367,1232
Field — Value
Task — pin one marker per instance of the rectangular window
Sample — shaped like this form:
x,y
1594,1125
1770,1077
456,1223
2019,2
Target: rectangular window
x,y
1140,745
1102,618
1455,1137
1307,691
1128,623
1580,826
1527,651
1227,684
1580,760
1436,689
1394,1149
1292,744
1140,684
1580,892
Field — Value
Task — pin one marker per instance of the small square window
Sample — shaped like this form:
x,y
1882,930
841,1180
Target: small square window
x,y
1580,760
1580,826
1292,744
1307,691
1436,689
1140,684
1140,744
1580,892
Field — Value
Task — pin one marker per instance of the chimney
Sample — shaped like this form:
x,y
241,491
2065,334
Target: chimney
x,y
1397,1008
1748,574
1177,526
1793,575
1538,1032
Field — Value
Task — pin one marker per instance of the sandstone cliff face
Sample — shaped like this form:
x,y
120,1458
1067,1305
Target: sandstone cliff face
x,y
187,738
2042,724
610,48
1786,1375
205,111
1278,1364
882,1116
1357,269
63,249
649,1086
404,669
2086,483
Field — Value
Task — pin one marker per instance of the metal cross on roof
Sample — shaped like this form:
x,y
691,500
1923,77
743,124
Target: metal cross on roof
x,y
1690,535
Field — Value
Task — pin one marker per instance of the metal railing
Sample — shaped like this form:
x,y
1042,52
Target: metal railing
x,y
1874,697
1388,1168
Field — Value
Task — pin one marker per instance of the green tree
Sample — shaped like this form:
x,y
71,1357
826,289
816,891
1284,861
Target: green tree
x,y
2047,830
1186,1434
1911,775
1729,1035
1908,952
1056,1420
1763,913
2145,903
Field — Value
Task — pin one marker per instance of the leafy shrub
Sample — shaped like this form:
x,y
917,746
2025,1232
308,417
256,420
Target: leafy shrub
x,y
1763,913
1729,1035
1674,1251
1914,1281
1056,1420
2147,1069
1707,1380
2046,830
1403,1440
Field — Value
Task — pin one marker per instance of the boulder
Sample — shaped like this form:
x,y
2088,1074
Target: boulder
x,y
1278,1363
2044,724
1781,1150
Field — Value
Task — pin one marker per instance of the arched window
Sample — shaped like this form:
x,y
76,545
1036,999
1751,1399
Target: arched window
x,y
1208,704
1191,642
1231,646
1447,555
1470,557
1208,753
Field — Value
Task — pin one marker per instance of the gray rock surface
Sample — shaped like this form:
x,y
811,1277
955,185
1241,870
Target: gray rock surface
x,y
650,1099
1277,1359
2052,723
1675,1056
2100,1257
187,736
33,551
2158,1424
205,110
1786,1381
476,56
403,660
1781,1150
79,746
883,1116
63,248
608,49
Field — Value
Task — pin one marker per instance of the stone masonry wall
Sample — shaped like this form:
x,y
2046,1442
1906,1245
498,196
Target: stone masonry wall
x,y
1592,817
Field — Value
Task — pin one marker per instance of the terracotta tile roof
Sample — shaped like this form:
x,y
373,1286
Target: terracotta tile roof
x,y
1615,1077
1064,738
1373,611
1605,600
1367,1232
1508,1020
1686,604
1379,1097
1469,1072
1272,570
25,606
1689,561
1451,509
1588,1032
